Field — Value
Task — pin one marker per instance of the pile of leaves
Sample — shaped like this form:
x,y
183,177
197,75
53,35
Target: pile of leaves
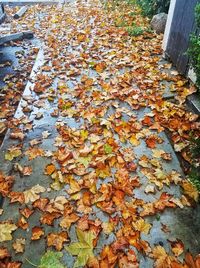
x,y
89,187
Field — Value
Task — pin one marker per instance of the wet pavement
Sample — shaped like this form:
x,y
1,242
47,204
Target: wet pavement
x,y
183,223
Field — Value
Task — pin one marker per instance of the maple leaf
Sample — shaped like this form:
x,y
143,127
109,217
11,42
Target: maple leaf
x,y
108,149
41,203
26,212
162,259
142,226
34,152
57,239
134,141
177,247
4,253
108,227
22,223
191,261
190,190
13,153
6,183
48,218
68,220
84,160
33,194
6,229
19,245
82,249
51,260
49,169
37,232
74,186
149,189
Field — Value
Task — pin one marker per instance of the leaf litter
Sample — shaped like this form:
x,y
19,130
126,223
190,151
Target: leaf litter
x,y
100,78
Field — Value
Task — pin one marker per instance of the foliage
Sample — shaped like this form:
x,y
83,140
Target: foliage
x,y
194,177
194,56
195,148
135,30
194,174
152,7
51,260
194,47
82,249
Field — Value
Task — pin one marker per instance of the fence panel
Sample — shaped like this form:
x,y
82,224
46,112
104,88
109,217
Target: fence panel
x,y
183,24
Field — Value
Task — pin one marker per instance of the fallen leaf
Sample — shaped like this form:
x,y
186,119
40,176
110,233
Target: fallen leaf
x,y
190,190
68,220
82,249
37,232
177,247
4,253
142,226
51,260
12,153
33,194
57,240
19,245
6,229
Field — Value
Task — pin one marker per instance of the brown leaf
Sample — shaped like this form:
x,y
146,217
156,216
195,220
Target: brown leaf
x,y
68,220
26,212
19,245
49,169
16,197
37,232
4,253
6,183
177,247
22,223
34,152
57,240
48,218
41,203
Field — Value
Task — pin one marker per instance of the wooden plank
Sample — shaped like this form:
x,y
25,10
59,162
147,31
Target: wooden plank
x,y
183,24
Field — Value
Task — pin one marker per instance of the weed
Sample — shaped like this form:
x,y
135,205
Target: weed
x,y
194,177
135,30
194,48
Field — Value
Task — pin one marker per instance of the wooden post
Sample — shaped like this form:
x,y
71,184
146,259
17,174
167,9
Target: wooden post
x,y
168,24
20,12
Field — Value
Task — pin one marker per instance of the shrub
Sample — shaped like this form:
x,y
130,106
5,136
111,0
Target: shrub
x,y
194,47
152,7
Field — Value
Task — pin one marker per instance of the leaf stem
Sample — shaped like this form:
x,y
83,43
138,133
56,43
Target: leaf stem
x,y
31,263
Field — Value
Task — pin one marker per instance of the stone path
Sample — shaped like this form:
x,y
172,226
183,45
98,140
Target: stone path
x,y
89,104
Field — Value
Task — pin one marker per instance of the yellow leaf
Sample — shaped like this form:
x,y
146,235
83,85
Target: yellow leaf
x,y
5,231
190,190
142,226
134,141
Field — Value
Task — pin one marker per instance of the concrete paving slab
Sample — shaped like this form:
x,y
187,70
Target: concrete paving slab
x,y
178,220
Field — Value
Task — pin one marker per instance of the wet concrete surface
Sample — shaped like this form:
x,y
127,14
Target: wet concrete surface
x,y
184,223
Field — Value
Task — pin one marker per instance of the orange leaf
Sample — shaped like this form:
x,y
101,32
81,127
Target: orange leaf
x,y
57,240
37,232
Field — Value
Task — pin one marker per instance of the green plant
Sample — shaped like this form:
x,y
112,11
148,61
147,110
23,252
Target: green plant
x,y
135,30
195,147
194,177
194,174
194,47
152,7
